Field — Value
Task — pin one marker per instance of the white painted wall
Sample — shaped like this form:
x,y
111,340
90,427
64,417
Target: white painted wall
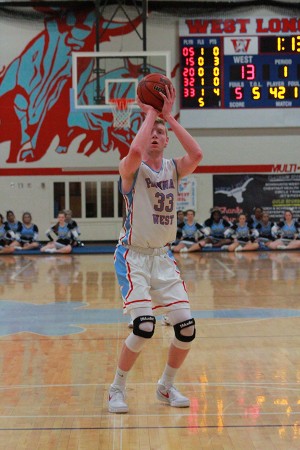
x,y
35,194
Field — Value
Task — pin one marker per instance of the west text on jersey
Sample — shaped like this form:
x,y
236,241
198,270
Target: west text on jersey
x,y
162,219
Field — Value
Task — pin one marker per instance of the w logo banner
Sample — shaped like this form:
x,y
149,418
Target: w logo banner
x,y
241,45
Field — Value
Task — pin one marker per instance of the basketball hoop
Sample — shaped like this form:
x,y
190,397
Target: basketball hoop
x,y
121,109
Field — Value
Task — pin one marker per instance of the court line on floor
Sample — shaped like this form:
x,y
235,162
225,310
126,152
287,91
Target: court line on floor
x,y
166,427
223,321
121,435
116,427
170,415
225,267
17,273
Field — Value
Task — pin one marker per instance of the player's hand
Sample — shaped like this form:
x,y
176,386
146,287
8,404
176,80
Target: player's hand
x,y
169,100
144,107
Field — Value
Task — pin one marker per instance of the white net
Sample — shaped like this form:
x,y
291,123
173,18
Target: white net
x,y
121,108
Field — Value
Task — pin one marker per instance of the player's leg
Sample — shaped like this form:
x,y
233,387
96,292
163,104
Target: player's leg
x,y
133,276
184,327
143,330
169,291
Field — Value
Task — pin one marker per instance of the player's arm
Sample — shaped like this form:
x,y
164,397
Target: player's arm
x,y
188,163
130,164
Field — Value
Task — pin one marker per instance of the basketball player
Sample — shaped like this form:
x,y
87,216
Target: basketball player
x,y
147,273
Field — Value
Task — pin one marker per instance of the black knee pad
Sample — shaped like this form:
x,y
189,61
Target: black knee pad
x,y
142,333
185,324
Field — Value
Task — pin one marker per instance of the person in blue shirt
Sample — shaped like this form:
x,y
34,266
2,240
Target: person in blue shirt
x,y
180,222
243,235
191,232
256,217
28,236
214,229
74,225
286,232
14,228
265,231
5,241
62,236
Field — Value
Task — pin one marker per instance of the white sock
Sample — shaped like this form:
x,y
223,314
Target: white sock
x,y
167,378
120,378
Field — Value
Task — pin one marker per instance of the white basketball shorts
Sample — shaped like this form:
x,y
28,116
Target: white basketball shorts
x,y
149,281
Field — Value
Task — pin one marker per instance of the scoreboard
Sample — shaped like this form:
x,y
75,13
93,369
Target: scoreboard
x,y
240,72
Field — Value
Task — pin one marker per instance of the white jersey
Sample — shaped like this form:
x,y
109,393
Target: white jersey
x,y
151,207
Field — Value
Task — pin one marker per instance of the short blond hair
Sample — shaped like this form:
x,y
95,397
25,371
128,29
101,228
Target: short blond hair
x,y
161,121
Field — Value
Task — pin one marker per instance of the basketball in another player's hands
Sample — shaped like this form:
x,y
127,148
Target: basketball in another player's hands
x,y
149,88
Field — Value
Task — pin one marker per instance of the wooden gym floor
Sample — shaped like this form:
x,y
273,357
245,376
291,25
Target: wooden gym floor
x,y
61,330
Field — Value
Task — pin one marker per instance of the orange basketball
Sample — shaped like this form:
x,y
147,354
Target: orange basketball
x,y
149,88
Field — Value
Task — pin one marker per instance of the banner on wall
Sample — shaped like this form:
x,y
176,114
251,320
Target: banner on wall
x,y
38,120
187,193
234,194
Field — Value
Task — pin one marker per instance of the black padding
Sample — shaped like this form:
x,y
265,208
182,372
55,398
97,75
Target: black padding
x,y
180,326
142,333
